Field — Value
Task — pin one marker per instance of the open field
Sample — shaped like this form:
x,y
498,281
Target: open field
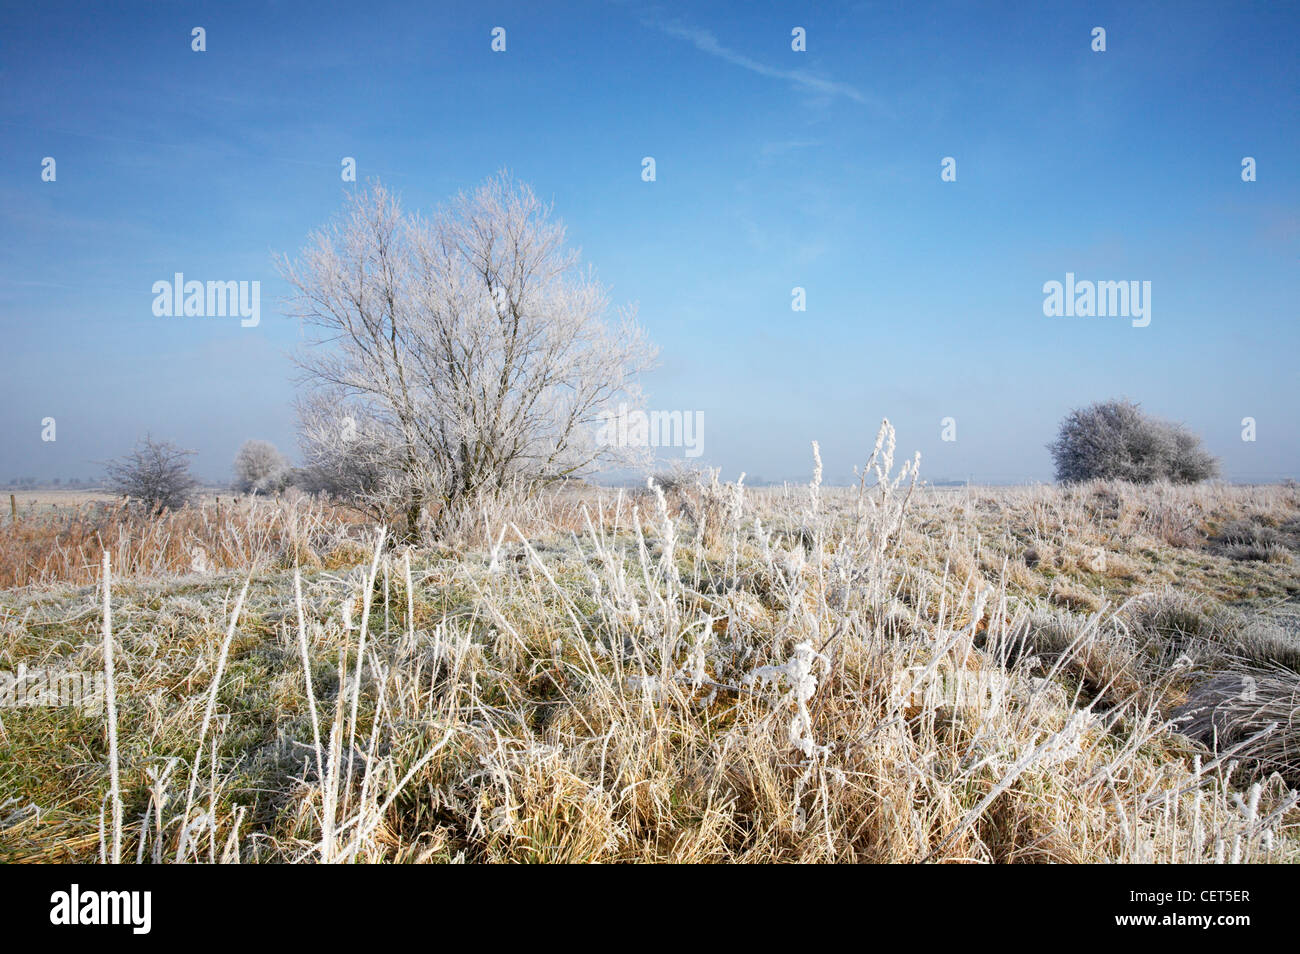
x,y
48,499
706,674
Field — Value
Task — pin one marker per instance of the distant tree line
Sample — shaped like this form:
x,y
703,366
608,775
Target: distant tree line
x,y
59,483
1109,440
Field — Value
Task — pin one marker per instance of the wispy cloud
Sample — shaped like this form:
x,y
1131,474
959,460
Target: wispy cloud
x,y
706,42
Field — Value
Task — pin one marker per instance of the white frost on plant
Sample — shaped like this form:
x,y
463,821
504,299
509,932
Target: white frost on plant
x,y
693,671
199,562
799,672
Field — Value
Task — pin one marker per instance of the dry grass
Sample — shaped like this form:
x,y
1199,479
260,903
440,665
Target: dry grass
x,y
63,543
797,674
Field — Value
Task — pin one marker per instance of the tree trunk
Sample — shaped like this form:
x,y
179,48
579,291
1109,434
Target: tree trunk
x,y
413,516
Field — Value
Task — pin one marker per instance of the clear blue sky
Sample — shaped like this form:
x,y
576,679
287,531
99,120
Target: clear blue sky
x,y
775,169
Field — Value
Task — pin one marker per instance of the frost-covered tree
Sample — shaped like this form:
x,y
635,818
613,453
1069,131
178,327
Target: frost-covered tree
x,y
468,350
155,474
1115,440
260,468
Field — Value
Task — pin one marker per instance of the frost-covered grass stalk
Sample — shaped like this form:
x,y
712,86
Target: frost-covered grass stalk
x,y
110,707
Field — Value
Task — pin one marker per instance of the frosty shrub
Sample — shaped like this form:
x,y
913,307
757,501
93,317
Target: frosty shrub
x,y
350,457
1115,440
260,469
156,475
713,508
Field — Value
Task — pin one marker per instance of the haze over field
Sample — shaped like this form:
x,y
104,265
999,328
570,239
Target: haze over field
x,y
775,170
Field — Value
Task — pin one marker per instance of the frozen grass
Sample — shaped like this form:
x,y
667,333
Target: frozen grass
x,y
711,674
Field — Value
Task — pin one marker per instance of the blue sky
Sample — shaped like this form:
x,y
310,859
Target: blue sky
x,y
775,169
